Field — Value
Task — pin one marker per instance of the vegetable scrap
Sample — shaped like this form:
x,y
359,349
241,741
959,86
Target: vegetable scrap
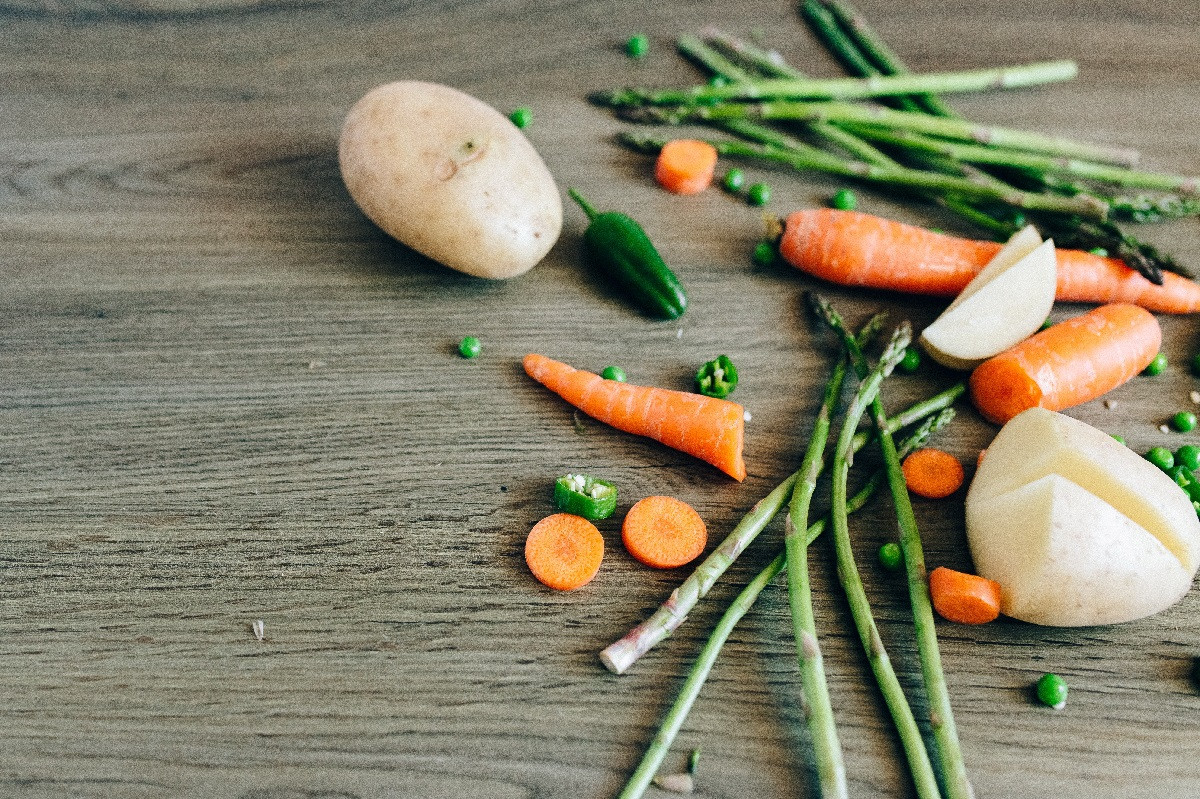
x,y
717,378
664,532
564,551
582,495
964,598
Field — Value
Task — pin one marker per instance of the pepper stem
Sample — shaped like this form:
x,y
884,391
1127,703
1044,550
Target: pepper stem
x,y
584,204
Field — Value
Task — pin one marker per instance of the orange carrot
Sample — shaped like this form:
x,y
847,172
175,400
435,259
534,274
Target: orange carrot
x,y
663,532
685,166
856,249
932,473
708,428
564,551
1067,364
964,598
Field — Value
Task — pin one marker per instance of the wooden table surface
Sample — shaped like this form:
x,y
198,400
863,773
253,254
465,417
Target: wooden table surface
x,y
225,397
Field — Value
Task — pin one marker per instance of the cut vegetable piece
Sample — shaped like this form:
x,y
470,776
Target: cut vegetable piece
x,y
685,166
993,315
932,473
664,532
589,497
964,598
1019,245
564,551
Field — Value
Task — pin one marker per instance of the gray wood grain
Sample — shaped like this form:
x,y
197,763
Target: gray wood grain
x,y
226,397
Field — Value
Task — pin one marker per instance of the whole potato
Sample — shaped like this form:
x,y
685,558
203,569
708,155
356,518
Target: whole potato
x,y
451,177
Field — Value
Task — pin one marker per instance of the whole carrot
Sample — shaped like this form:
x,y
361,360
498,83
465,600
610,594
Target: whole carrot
x,y
852,248
709,428
1067,364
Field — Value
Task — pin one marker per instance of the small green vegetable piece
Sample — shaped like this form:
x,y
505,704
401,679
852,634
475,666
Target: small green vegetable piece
x,y
585,496
1184,421
1188,456
764,253
1156,366
621,248
1120,439
613,373
718,80
890,556
637,46
693,761
1052,691
469,347
717,378
735,179
521,117
844,200
758,194
1102,252
1195,364
1161,457
911,360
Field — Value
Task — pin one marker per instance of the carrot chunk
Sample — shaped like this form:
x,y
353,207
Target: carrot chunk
x,y
664,532
564,551
685,166
964,598
932,473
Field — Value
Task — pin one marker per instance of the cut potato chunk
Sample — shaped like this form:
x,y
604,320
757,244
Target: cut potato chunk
x,y
1023,242
1002,306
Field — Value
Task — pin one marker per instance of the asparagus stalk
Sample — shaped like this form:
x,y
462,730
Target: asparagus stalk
x,y
1083,205
847,570
941,716
620,655
672,722
849,88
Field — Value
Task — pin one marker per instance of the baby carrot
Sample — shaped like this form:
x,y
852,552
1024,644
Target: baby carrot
x,y
856,249
964,598
709,428
663,532
1067,364
685,166
564,551
932,473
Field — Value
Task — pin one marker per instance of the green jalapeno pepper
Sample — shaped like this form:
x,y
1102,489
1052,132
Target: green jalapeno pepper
x,y
585,496
717,378
619,246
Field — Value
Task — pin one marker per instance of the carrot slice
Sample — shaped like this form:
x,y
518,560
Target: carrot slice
x,y
932,473
964,598
664,532
1067,364
685,166
709,428
564,551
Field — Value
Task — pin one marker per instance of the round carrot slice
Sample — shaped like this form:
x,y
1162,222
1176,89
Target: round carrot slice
x,y
664,532
564,551
932,473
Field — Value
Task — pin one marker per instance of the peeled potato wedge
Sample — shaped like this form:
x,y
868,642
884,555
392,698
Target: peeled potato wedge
x,y
1003,305
1077,528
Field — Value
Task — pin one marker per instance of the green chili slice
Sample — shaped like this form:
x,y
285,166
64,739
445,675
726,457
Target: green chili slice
x,y
589,497
717,378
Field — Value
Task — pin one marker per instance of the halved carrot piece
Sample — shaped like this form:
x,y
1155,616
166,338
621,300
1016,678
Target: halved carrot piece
x,y
964,598
664,532
564,551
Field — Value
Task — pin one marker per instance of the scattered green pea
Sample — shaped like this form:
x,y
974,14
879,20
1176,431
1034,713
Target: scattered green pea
x,y
890,556
1161,457
734,179
1183,422
911,360
1195,364
758,194
1156,366
1052,691
1189,456
469,347
844,200
521,117
613,373
764,253
637,46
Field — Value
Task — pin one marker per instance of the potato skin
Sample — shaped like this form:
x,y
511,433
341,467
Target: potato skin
x,y
450,176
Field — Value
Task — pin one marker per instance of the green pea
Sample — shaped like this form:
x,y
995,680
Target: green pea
x,y
890,556
1188,456
1052,691
613,373
844,200
764,253
637,46
735,179
521,117
758,194
911,360
1184,421
1156,366
1161,457
469,347
1195,364
1047,323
